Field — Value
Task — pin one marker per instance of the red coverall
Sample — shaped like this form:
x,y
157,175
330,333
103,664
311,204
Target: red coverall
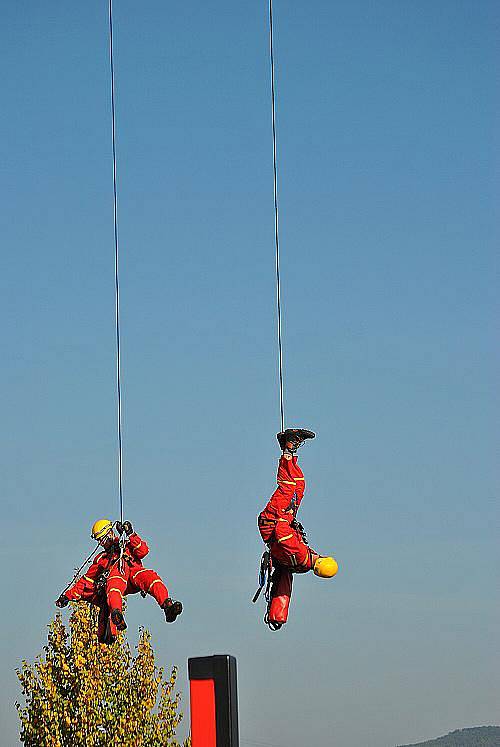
x,y
288,549
132,578
286,543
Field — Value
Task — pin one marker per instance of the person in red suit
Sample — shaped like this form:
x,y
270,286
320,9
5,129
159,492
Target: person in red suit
x,y
283,534
116,572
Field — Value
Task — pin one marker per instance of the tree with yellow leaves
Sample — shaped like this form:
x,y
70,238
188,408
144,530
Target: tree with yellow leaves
x,y
81,693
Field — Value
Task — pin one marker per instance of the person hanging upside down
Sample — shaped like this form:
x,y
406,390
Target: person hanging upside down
x,y
113,575
283,534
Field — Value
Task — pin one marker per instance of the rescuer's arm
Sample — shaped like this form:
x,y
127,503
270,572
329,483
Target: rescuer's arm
x,y
136,546
75,592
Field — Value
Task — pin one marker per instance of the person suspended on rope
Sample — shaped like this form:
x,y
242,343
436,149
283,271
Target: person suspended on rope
x,y
114,573
289,551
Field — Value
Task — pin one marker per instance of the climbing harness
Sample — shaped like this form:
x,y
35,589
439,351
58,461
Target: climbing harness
x,y
300,529
100,583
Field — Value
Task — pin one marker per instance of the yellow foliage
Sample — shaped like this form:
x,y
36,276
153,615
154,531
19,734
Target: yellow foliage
x,y
80,693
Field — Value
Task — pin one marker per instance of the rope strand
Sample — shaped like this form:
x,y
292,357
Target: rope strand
x,y
80,569
276,232
117,283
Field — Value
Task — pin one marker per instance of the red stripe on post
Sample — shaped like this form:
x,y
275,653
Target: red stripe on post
x,y
203,727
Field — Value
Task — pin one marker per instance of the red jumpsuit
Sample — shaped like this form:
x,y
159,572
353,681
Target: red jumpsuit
x,y
286,544
107,591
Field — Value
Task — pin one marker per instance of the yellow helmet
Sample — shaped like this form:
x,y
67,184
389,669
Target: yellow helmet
x,y
100,528
326,567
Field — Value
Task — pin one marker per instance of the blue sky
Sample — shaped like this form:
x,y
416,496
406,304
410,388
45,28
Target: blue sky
x,y
388,167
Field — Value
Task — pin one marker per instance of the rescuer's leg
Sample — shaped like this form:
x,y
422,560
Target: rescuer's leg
x,y
281,592
289,472
292,438
286,498
287,483
290,550
106,633
172,610
150,582
115,590
106,629
291,484
102,622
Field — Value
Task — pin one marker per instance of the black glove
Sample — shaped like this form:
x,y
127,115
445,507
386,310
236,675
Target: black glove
x,y
125,527
62,601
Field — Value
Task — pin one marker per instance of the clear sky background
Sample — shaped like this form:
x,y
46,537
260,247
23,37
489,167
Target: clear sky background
x,y
388,165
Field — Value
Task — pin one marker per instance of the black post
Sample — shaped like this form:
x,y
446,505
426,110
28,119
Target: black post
x,y
214,701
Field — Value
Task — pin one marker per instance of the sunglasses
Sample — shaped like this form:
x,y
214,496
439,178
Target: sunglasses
x,y
105,538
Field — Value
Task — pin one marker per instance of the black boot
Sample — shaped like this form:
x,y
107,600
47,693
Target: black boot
x,y
118,619
172,609
292,438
